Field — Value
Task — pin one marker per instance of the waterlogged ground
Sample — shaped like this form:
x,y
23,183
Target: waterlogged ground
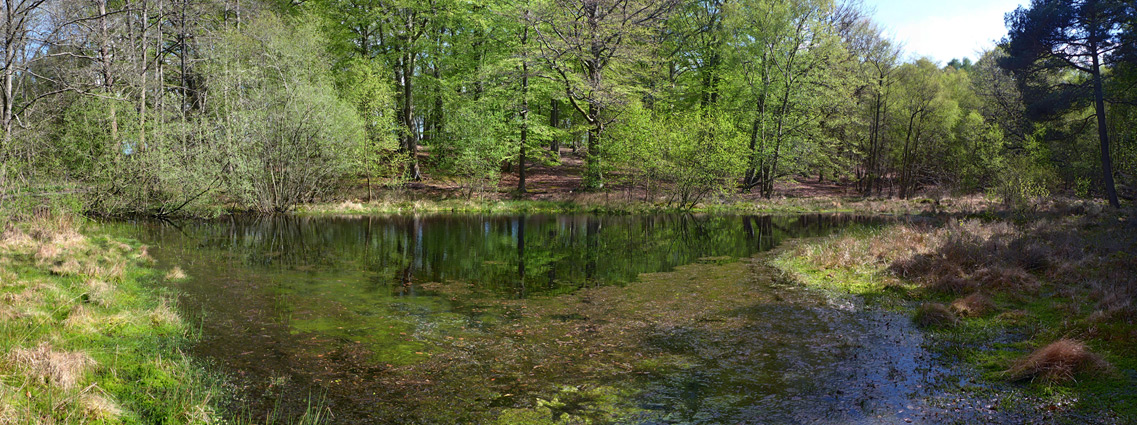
x,y
529,320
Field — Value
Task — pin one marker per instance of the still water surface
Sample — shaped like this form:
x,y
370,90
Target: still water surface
x,y
535,319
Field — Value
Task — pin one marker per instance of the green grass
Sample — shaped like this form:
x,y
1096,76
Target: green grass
x,y
86,338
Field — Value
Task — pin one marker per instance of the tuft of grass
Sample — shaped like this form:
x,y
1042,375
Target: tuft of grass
x,y
974,305
1057,362
175,274
935,316
63,369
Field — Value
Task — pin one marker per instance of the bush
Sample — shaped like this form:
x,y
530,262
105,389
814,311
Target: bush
x,y
686,156
1024,181
283,130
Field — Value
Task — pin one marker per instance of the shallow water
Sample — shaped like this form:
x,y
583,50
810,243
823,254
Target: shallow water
x,y
543,319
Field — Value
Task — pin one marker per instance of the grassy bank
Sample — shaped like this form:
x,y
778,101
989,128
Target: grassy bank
x,y
614,203
84,339
1046,301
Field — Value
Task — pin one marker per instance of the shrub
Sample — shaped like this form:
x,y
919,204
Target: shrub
x,y
284,131
1024,181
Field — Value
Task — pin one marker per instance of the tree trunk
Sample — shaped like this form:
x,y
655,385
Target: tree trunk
x,y
410,133
593,178
524,126
554,122
9,76
1103,131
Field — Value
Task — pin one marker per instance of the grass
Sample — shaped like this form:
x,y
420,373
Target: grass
x,y
617,203
85,339
1045,300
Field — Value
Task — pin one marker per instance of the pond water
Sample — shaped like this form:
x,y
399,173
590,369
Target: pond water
x,y
539,319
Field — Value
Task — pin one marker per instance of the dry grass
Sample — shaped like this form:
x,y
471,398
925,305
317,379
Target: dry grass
x,y
176,273
164,315
974,305
69,304
13,237
1006,278
60,368
99,407
144,255
935,315
99,292
1060,361
350,207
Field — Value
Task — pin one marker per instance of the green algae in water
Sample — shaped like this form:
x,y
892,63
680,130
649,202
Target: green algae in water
x,y
469,319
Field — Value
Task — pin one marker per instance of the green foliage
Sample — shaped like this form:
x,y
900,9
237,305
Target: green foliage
x,y
475,153
977,153
1023,181
85,146
684,156
363,84
284,132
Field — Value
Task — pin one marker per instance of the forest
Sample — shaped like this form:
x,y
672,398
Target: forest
x,y
167,107
563,212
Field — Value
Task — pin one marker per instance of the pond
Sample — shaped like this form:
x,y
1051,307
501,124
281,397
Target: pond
x,y
537,319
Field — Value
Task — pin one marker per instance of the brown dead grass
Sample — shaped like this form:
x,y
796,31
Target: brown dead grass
x,y
165,315
935,315
974,305
176,273
144,255
13,236
1060,361
60,368
99,292
99,407
1006,278
90,268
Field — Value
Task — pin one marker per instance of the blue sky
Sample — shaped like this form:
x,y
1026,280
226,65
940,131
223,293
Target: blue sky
x,y
944,29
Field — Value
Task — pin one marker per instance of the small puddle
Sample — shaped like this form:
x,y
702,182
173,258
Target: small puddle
x,y
544,319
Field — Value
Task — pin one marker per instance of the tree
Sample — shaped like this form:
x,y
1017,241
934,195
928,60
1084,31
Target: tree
x,y
363,84
285,133
687,155
26,30
784,52
1054,35
596,47
880,59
